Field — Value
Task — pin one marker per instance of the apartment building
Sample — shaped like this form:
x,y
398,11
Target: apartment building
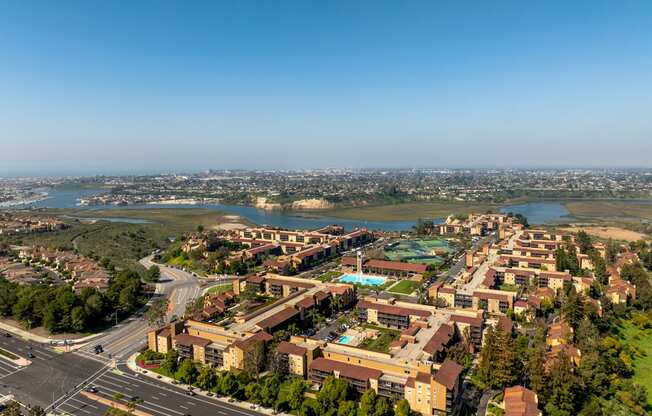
x,y
385,267
538,263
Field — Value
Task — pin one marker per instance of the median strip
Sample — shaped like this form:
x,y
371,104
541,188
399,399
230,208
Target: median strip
x,y
114,404
13,358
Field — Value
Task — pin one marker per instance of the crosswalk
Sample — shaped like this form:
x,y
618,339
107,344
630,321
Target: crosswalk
x,y
8,368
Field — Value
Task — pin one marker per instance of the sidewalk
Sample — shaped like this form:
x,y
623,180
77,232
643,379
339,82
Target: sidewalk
x,y
45,340
131,363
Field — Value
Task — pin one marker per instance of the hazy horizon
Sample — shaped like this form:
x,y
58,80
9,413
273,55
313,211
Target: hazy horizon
x,y
153,87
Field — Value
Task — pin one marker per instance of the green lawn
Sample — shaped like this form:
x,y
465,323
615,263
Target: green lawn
x,y
221,288
382,341
508,287
404,287
329,276
641,340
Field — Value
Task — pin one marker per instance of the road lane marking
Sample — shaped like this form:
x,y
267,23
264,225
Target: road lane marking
x,y
145,403
216,403
114,384
74,398
118,379
78,409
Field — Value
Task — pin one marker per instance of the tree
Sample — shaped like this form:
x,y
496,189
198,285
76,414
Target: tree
x,y
333,392
35,411
153,274
584,242
347,408
277,364
536,362
207,378
157,312
12,409
254,359
382,407
295,394
194,306
187,371
252,392
78,318
269,390
367,403
498,362
229,384
561,388
171,362
7,298
127,300
572,308
403,408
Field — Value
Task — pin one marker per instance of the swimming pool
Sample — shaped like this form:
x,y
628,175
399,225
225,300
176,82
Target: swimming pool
x,y
363,279
344,339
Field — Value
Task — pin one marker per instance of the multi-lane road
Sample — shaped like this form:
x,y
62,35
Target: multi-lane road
x,y
129,336
54,380
48,377
158,398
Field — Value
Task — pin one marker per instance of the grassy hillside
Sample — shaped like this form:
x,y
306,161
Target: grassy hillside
x,y
640,340
121,242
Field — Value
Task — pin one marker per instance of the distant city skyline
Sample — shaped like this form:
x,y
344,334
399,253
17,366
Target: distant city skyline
x,y
151,87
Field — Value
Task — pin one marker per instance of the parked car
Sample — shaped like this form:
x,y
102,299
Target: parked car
x,y
92,389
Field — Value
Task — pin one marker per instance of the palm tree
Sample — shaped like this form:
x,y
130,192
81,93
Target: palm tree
x,y
336,303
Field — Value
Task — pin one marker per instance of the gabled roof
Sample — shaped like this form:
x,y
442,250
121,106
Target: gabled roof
x,y
289,348
448,374
347,370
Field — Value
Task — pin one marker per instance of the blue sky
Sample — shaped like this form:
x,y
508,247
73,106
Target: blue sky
x,y
140,86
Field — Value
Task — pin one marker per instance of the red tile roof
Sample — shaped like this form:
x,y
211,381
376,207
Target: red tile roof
x,y
439,340
347,370
189,340
278,319
520,401
391,309
448,374
397,265
292,283
289,348
473,321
